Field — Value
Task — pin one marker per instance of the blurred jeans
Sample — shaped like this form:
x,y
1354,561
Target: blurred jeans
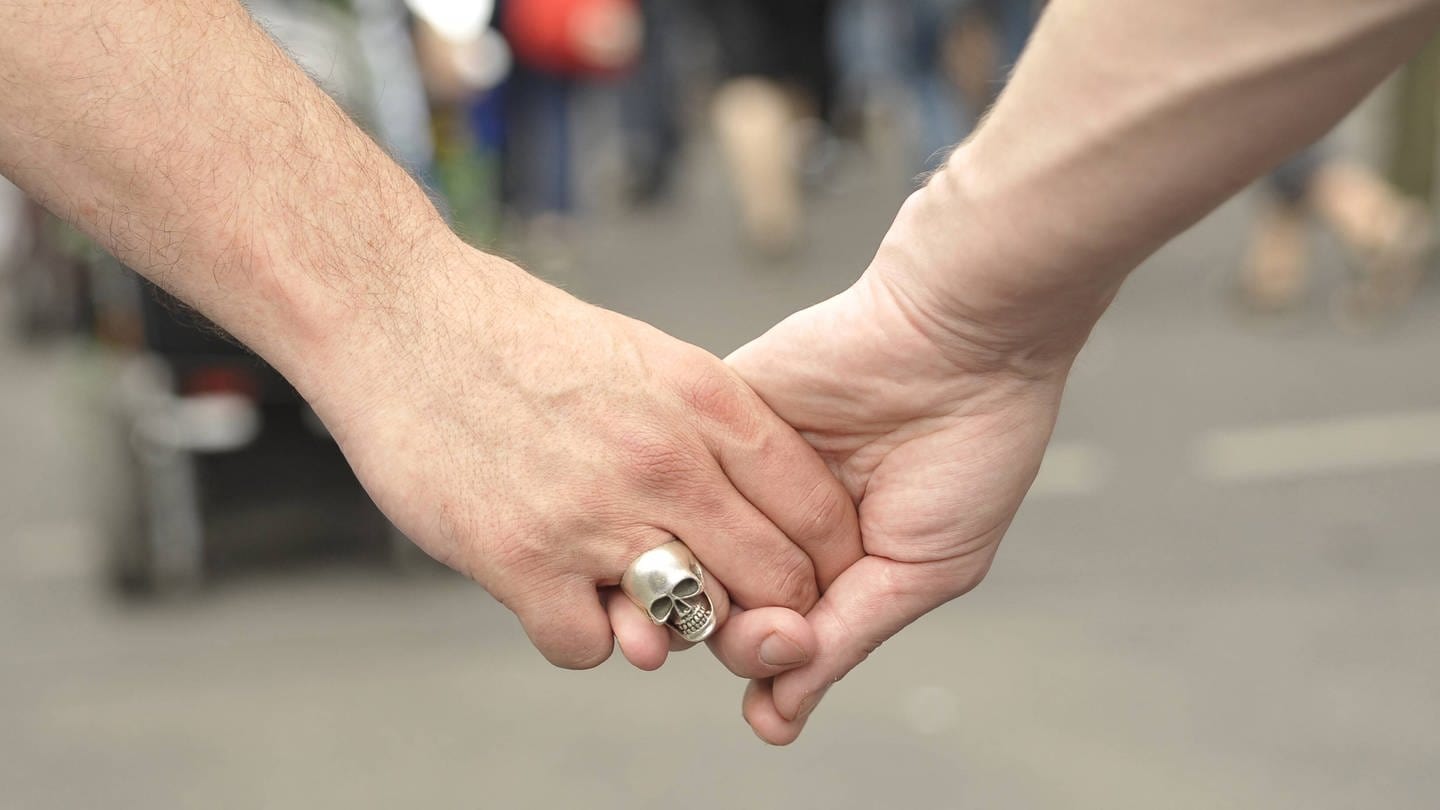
x,y
1291,180
537,148
650,114
882,45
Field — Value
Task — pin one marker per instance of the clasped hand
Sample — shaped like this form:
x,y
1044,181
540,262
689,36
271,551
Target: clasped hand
x,y
842,475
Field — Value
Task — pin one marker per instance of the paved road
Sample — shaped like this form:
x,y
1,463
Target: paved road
x,y
1223,594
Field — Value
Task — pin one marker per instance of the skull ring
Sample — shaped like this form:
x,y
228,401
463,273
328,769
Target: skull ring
x,y
669,585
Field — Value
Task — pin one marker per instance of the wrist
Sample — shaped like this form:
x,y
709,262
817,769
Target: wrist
x,y
460,315
984,273
312,295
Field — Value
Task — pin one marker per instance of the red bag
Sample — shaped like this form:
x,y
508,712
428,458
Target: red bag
x,y
574,37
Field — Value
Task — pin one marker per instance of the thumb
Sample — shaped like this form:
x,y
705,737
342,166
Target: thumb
x,y
870,602
763,642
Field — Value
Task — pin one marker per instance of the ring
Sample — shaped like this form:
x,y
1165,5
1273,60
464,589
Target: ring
x,y
669,585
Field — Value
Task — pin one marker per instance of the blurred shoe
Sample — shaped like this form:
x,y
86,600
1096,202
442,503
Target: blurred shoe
x,y
1387,271
1273,272
1387,236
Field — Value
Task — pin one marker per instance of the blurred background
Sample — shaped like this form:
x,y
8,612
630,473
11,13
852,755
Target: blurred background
x,y
1222,591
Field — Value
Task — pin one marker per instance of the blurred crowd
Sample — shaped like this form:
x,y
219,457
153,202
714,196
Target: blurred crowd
x,y
509,110
521,113
782,87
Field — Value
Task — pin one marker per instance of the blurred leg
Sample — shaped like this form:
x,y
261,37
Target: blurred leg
x,y
754,121
1273,271
537,143
945,113
650,105
773,54
1388,234
1272,274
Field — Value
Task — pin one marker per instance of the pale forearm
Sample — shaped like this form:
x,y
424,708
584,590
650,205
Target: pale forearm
x,y
179,136
1127,121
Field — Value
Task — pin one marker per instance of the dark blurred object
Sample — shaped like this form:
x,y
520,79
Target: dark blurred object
x,y
650,114
223,461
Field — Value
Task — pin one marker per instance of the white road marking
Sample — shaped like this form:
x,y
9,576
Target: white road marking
x,y
1072,468
1304,449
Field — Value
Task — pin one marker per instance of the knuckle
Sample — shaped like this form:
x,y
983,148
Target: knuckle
x,y
761,435
822,514
795,586
718,397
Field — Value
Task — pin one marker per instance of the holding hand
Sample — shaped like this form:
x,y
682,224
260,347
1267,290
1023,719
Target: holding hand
x,y
538,445
935,424
931,386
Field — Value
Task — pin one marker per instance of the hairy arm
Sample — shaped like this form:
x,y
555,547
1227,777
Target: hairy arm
x,y
180,137
527,439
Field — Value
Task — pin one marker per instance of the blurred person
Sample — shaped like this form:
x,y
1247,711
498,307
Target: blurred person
x,y
949,58
557,45
986,45
535,443
931,386
777,74
1385,234
965,50
869,44
464,60
650,103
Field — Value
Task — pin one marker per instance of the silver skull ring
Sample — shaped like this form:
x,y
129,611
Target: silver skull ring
x,y
669,585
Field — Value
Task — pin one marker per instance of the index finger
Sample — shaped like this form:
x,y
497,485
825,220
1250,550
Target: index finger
x,y
774,468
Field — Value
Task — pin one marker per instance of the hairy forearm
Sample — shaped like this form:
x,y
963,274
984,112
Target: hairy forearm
x,y
1125,122
179,136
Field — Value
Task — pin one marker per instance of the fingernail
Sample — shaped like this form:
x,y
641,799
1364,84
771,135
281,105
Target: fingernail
x,y
778,651
808,704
